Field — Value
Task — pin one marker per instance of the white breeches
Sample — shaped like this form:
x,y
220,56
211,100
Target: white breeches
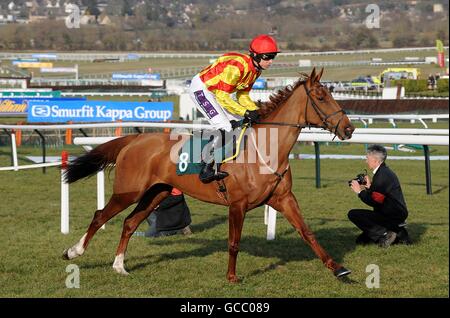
x,y
206,103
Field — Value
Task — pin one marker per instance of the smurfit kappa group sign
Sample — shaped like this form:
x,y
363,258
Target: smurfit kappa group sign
x,y
98,111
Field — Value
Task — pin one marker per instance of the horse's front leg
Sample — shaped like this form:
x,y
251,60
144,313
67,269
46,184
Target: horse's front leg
x,y
235,223
287,204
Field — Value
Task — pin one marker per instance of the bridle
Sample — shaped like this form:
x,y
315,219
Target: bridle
x,y
323,117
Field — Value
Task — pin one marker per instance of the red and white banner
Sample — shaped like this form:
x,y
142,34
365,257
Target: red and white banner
x,y
441,59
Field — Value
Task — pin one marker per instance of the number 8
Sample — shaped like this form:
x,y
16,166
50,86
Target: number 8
x,y
183,164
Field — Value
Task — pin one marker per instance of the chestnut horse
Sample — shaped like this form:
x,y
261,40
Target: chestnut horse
x,y
145,173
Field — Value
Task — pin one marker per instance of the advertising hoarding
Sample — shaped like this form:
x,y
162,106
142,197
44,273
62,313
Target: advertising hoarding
x,y
98,111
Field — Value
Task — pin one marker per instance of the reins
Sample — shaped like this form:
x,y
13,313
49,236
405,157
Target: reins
x,y
275,172
323,117
287,124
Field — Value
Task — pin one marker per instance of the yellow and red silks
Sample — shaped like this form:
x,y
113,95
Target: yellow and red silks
x,y
230,73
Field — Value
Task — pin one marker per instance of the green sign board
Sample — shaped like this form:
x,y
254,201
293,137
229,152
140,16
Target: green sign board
x,y
50,94
157,94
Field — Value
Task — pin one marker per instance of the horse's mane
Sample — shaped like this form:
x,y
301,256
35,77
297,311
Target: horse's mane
x,y
277,99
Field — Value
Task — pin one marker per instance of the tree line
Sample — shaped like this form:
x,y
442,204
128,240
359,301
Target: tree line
x,y
159,26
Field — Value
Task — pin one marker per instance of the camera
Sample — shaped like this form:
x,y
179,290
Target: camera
x,y
361,178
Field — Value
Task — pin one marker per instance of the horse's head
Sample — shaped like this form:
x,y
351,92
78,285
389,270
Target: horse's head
x,y
322,109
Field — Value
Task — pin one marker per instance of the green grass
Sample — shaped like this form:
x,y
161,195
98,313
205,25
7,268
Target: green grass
x,y
195,266
157,65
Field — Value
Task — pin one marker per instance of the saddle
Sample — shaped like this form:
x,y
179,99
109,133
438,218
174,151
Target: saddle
x,y
190,154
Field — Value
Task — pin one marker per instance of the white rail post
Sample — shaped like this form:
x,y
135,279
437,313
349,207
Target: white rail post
x,y
14,151
270,219
64,195
101,192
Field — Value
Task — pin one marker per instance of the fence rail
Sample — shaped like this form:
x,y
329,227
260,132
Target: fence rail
x,y
193,125
368,119
361,135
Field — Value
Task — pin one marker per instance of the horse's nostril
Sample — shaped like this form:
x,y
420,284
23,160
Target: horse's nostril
x,y
349,131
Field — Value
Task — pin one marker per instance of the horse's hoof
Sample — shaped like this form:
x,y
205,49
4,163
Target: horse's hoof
x,y
65,255
233,279
341,272
121,271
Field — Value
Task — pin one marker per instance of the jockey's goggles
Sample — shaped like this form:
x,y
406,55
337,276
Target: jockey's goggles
x,y
268,56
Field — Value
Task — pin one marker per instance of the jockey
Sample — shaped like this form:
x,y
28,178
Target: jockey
x,y
211,89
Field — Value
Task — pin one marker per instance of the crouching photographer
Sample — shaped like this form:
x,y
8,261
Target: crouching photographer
x,y
385,225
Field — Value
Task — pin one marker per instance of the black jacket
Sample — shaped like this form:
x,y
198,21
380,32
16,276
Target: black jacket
x,y
172,214
385,195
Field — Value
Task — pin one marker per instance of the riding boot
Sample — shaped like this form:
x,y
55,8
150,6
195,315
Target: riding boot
x,y
207,173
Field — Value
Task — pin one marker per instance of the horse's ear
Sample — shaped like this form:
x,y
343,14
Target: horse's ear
x,y
319,76
312,76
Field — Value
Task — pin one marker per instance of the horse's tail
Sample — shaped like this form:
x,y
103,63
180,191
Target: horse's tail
x,y
96,160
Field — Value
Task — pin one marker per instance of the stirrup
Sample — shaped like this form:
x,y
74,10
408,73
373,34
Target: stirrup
x,y
220,174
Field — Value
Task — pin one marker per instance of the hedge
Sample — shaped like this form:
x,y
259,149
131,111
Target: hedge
x,y
442,85
412,86
421,85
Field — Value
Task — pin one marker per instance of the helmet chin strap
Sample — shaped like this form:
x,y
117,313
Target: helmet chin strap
x,y
258,67
256,60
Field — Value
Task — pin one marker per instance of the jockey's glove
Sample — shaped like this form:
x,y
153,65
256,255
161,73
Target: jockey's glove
x,y
251,115
235,124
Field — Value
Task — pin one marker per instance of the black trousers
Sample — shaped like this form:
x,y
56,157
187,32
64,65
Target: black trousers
x,y
373,224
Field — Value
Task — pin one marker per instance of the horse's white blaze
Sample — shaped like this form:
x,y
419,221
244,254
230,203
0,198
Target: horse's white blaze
x,y
118,264
77,249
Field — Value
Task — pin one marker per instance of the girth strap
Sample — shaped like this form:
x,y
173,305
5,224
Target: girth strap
x,y
280,177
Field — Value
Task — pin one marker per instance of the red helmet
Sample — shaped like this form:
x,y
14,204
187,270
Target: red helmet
x,y
263,44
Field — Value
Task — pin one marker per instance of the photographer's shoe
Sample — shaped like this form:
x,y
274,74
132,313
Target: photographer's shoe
x,y
387,239
186,230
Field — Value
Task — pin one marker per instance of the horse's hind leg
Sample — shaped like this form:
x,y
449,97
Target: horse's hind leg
x,y
116,204
289,207
235,224
146,205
